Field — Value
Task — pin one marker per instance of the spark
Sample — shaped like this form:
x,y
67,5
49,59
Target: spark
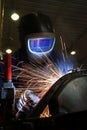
x,y
38,76
38,79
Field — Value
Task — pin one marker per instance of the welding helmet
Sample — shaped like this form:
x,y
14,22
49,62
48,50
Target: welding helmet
x,y
36,34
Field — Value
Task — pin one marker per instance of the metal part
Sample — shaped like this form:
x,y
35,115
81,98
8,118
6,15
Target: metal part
x,y
71,95
68,94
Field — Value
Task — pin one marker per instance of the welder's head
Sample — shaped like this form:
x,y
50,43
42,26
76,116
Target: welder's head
x,y
36,34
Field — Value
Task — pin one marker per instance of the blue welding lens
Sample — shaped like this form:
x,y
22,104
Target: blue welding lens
x,y
41,45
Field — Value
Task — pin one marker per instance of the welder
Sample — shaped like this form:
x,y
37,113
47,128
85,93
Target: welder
x,y
37,38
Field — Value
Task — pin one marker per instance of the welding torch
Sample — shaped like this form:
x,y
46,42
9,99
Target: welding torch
x,y
7,91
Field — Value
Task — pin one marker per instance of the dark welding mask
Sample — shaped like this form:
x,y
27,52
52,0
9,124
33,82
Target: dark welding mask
x,y
37,34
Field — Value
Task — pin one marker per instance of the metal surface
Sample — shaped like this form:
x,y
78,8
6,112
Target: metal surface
x,y
71,96
68,94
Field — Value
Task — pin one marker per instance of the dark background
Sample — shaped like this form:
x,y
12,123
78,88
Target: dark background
x,y
69,18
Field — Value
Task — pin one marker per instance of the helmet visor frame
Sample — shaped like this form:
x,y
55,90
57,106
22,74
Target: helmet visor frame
x,y
40,43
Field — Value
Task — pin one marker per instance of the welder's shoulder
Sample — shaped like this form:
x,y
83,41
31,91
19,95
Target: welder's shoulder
x,y
18,57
